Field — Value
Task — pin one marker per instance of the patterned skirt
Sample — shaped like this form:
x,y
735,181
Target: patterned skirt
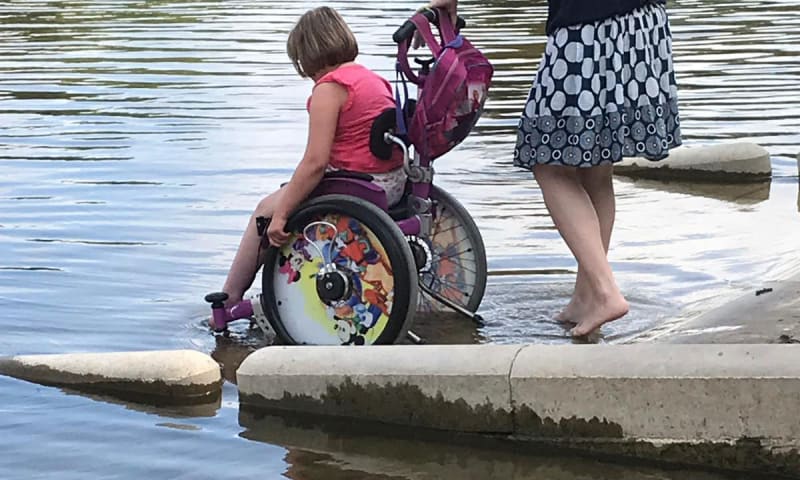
x,y
603,91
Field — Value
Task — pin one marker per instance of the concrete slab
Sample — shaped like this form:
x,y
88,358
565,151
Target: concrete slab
x,y
723,406
732,162
767,314
451,387
171,377
726,406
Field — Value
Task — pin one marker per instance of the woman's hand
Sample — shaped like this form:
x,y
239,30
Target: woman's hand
x,y
450,6
277,236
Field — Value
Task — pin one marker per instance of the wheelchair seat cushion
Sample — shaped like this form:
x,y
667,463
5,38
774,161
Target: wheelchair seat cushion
x,y
393,183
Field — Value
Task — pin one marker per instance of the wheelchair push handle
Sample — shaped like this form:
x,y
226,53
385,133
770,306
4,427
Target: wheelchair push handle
x,y
405,32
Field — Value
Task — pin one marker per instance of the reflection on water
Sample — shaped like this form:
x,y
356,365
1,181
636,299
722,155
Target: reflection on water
x,y
136,137
319,449
742,194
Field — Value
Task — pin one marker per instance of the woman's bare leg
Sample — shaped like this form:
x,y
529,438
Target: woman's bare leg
x,y
574,214
246,262
599,185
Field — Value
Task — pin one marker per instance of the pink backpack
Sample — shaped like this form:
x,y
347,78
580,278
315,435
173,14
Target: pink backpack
x,y
451,94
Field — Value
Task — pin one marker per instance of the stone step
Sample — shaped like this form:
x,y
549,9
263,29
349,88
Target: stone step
x,y
727,162
724,406
164,377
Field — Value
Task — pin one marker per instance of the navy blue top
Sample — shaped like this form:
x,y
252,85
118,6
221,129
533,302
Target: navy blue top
x,y
563,13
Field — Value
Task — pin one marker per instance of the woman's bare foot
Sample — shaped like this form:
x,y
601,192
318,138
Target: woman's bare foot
x,y
578,302
569,312
603,313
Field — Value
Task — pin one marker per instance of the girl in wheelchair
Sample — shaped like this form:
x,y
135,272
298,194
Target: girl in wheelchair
x,y
345,99
361,238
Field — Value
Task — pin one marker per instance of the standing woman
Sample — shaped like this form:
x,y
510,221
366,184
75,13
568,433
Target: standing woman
x,y
605,89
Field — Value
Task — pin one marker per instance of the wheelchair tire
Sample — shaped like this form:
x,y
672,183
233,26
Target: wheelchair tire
x,y
367,247
458,265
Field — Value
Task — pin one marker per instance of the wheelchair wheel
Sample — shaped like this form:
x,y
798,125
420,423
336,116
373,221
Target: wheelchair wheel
x,y
346,277
457,267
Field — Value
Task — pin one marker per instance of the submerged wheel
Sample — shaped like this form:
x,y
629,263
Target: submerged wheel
x,y
346,277
457,267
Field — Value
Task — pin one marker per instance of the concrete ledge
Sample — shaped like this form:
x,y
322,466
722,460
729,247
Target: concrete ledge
x,y
768,313
725,406
163,377
730,162
669,392
450,387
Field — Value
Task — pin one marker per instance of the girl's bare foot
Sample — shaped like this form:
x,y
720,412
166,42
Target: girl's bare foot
x,y
604,312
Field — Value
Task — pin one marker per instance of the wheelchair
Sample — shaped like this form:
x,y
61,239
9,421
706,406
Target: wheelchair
x,y
356,270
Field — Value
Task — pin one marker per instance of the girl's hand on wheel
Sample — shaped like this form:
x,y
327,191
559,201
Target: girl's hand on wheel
x,y
277,237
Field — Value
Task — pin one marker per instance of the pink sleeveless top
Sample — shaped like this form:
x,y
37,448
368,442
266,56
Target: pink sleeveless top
x,y
368,95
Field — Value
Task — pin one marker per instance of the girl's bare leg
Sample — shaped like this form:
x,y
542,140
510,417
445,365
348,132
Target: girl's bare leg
x,y
599,185
574,214
246,262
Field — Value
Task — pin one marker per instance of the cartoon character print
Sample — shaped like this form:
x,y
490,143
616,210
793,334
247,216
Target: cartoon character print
x,y
379,276
355,248
347,332
348,246
290,265
366,306
359,318
462,119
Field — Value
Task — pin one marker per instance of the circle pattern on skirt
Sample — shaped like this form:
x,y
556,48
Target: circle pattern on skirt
x,y
603,91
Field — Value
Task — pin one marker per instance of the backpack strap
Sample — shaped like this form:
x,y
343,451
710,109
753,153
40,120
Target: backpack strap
x,y
400,103
446,27
402,62
424,28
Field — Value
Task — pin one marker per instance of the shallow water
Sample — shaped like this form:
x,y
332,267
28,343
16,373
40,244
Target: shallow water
x,y
137,136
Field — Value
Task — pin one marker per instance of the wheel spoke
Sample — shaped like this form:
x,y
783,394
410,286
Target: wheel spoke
x,y
454,255
447,283
456,244
449,229
458,270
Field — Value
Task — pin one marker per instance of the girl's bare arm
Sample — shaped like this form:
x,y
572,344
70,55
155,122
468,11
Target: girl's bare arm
x,y
326,102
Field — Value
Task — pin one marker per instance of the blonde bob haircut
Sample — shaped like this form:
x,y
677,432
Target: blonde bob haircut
x,y
320,39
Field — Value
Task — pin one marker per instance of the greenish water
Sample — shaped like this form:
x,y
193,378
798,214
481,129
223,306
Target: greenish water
x,y
136,136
